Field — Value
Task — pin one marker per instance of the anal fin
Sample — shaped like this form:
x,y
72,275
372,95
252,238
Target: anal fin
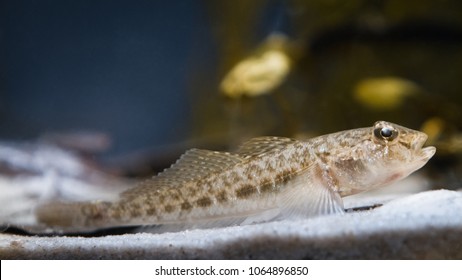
x,y
163,228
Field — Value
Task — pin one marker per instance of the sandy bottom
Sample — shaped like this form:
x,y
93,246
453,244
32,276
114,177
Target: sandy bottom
x,y
427,225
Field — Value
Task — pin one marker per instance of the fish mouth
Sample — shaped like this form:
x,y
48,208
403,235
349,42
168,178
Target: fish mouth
x,y
418,146
420,140
428,152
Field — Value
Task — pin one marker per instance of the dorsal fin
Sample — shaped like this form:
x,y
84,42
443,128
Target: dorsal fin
x,y
197,163
191,166
263,145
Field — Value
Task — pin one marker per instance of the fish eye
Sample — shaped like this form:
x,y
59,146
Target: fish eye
x,y
386,133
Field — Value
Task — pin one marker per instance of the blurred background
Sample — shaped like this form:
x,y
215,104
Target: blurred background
x,y
132,84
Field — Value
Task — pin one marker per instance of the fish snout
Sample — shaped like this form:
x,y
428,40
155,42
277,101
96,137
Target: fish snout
x,y
418,146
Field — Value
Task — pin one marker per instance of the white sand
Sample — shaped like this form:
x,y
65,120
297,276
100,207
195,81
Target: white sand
x,y
427,225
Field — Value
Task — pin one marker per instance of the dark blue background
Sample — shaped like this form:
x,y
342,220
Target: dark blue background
x,y
119,67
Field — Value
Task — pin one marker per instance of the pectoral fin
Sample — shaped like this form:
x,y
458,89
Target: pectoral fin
x,y
309,196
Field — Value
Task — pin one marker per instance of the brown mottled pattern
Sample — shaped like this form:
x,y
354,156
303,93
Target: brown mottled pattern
x,y
222,196
252,178
186,206
151,211
267,186
169,208
203,202
206,183
246,191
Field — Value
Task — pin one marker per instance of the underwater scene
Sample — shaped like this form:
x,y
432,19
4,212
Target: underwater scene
x,y
198,116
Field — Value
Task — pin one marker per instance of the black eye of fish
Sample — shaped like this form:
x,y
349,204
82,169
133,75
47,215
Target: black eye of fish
x,y
386,133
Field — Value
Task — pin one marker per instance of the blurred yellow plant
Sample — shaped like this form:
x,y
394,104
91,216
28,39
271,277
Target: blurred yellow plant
x,y
261,72
386,93
433,127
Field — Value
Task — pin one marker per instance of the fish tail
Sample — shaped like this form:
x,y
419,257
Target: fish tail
x,y
74,215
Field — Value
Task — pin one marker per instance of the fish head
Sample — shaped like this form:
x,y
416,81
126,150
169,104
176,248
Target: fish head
x,y
382,154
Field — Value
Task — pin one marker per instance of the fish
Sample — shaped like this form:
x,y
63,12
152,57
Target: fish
x,y
265,179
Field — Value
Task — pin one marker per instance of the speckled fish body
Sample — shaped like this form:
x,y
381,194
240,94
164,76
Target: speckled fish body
x,y
268,178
